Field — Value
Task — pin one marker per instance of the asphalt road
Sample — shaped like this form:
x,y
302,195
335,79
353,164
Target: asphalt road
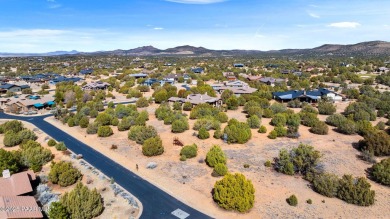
x,y
156,203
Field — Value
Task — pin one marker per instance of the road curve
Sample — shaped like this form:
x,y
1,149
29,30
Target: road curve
x,y
156,203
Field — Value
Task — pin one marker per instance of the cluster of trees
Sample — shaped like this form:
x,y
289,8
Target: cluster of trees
x,y
237,132
15,133
380,172
216,158
304,160
80,203
175,118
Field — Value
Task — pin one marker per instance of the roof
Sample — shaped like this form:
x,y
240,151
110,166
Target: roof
x,y
138,75
19,207
7,86
239,90
292,94
17,184
195,99
271,80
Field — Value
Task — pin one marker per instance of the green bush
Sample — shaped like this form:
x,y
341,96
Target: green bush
x,y
152,147
82,203
220,169
279,120
232,103
84,122
63,174
262,129
176,106
255,110
335,120
142,102
180,126
203,133
217,133
103,119
377,142
105,131
293,119
57,210
13,125
364,127
189,151
356,191
280,131
268,163
26,134
126,123
253,122
267,113
309,109
183,158
11,139
92,128
234,192
347,127
326,108
237,132
309,201
381,125
215,156
60,146
381,172
187,106
71,122
292,200
309,119
272,135
9,160
51,142
326,184
222,117
35,157
320,128
140,133
115,122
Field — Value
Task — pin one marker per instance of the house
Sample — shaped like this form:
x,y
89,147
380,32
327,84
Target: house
x,y
197,70
238,65
150,81
64,79
231,78
297,73
26,103
237,87
307,96
10,87
139,75
14,201
86,71
196,99
236,83
382,69
271,81
172,77
96,86
226,74
285,71
253,78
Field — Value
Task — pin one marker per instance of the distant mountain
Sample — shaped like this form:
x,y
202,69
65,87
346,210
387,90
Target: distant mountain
x,y
372,48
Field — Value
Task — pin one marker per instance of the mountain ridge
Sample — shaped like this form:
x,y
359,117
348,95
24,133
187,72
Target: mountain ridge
x,y
363,48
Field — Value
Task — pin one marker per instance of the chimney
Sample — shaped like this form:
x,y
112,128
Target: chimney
x,y
6,174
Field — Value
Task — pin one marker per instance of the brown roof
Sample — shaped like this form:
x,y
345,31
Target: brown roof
x,y
17,184
19,207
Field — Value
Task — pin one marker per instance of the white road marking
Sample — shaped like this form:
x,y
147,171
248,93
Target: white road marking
x,y
180,213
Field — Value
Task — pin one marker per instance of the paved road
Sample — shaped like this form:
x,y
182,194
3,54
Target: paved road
x,y
156,203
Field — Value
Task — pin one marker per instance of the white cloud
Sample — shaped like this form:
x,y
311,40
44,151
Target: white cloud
x,y
313,15
196,1
345,25
158,28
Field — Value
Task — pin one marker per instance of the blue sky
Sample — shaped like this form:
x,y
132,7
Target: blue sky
x,y
86,25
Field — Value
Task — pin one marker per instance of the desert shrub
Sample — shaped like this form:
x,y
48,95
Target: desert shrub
x,y
222,117
82,203
94,113
92,128
255,110
115,121
326,184
103,119
160,96
71,122
292,132
309,201
309,119
51,142
267,113
26,134
377,142
140,133
104,131
347,127
60,146
189,151
279,120
381,125
360,111
326,108
84,122
272,135
234,192
278,108
293,119
125,123
208,123
356,191
142,102
308,109
183,158
364,127
226,94
292,200
215,156
302,160
35,157
253,122
203,133
232,103
63,174
11,139
180,126
335,120
220,169
163,111
280,131
176,106
294,104
380,172
187,106
237,132
29,144
268,163
262,129
57,210
152,147
13,125
319,128
9,160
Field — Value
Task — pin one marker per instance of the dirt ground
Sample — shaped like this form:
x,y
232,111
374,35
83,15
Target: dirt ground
x,y
191,181
115,206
